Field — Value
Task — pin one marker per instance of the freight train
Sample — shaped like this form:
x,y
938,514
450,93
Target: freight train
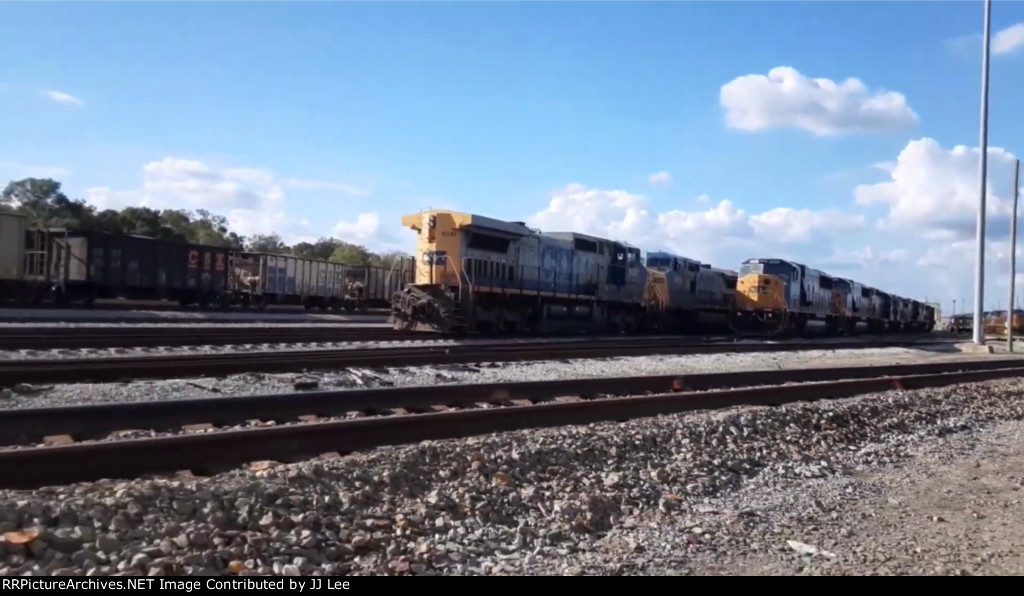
x,y
69,266
478,274
780,297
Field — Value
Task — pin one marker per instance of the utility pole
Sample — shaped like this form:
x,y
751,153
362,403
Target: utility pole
x,y
979,273
1013,257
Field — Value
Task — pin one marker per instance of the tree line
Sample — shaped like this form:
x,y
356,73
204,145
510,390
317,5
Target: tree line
x,y
46,205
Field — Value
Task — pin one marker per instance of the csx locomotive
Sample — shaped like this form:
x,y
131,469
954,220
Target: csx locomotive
x,y
780,297
475,273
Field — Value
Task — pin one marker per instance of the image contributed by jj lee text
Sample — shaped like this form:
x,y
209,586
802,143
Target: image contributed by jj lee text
x,y
292,584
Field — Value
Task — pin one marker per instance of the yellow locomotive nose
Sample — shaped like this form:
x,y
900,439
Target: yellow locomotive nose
x,y
757,292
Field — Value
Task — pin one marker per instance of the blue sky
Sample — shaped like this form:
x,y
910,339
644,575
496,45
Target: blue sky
x,y
337,118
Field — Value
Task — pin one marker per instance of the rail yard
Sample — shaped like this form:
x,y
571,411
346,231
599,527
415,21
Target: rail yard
x,y
234,444
674,419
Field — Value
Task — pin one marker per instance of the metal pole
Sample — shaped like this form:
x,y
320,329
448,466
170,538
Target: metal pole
x,y
1013,257
979,274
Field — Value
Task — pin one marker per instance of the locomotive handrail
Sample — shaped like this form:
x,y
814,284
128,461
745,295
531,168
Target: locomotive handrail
x,y
469,282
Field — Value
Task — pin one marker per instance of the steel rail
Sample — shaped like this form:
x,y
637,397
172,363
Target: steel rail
x,y
149,334
117,369
46,338
25,426
168,306
214,452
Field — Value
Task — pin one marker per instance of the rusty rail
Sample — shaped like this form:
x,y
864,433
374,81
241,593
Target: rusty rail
x,y
214,452
134,336
23,426
118,369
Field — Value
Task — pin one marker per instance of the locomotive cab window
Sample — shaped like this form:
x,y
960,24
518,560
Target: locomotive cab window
x,y
488,243
584,245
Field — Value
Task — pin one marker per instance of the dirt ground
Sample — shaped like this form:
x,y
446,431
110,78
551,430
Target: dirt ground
x,y
959,515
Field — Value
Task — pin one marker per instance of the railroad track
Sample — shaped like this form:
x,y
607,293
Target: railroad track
x,y
165,306
149,335
96,370
452,412
51,338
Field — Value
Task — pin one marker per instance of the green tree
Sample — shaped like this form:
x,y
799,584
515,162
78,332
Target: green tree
x,y
46,205
42,200
268,243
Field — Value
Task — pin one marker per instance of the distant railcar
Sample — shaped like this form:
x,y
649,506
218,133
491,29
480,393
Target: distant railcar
x,y
380,283
262,279
83,266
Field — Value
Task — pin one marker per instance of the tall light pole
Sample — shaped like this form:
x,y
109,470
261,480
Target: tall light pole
x,y
979,273
1013,257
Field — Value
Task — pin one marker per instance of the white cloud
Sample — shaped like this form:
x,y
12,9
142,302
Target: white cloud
x,y
933,192
368,231
789,225
660,179
784,98
928,228
61,97
950,273
722,235
253,200
1008,40
307,184
17,170
866,258
1005,41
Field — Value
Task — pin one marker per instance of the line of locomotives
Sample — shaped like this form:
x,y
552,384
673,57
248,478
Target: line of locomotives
x,y
479,274
68,266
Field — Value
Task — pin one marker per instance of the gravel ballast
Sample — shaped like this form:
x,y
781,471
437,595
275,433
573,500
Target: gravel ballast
x,y
34,396
426,340
903,482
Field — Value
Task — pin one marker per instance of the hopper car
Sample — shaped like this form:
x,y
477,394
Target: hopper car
x,y
262,279
69,266
479,274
